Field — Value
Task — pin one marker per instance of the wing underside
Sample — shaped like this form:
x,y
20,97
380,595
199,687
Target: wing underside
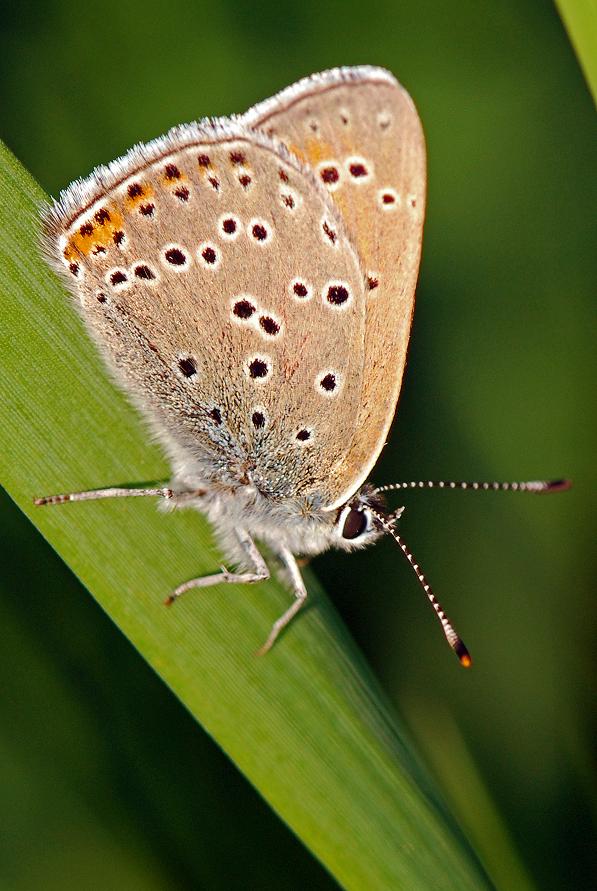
x,y
217,278
359,131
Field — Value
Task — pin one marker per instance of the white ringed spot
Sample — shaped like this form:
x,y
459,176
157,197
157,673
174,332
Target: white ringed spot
x,y
328,383
269,326
229,227
209,255
337,294
388,199
182,193
329,233
258,368
117,278
304,436
186,367
330,174
290,199
245,179
358,169
75,269
175,257
260,231
119,238
97,251
300,290
145,272
243,308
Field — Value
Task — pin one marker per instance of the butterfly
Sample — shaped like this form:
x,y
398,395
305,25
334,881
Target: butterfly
x,y
250,281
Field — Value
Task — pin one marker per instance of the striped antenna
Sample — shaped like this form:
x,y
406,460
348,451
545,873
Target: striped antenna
x,y
452,637
535,486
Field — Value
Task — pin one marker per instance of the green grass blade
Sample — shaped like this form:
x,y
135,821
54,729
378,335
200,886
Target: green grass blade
x,y
466,790
580,20
308,724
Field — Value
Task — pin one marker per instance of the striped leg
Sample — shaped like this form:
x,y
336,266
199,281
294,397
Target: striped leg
x,y
113,492
300,593
258,573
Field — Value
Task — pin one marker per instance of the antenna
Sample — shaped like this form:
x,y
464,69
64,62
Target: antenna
x,y
537,487
452,637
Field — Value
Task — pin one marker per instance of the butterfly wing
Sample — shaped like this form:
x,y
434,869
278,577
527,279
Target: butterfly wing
x,y
219,282
359,131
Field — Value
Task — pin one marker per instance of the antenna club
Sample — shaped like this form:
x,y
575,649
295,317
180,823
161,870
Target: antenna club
x,y
559,485
464,657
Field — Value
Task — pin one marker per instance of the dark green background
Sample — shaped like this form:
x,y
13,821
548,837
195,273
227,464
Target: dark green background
x,y
105,779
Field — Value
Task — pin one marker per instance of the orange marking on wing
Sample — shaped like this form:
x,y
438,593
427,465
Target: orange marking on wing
x,y
141,196
81,244
362,230
98,231
172,182
318,151
205,165
211,170
297,152
339,199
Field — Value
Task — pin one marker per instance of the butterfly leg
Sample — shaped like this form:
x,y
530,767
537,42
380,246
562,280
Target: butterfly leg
x,y
300,593
258,573
113,492
175,497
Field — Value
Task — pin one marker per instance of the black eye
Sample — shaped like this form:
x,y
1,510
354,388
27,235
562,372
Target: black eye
x,y
354,524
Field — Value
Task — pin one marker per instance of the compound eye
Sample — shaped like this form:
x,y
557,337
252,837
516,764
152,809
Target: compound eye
x,y
354,524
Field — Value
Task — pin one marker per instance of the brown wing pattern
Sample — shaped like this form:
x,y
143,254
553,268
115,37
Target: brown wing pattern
x,y
360,132
217,278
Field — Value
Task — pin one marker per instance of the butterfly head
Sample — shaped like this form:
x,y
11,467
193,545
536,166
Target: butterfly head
x,y
357,524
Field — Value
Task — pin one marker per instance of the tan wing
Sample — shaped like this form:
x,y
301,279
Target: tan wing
x,y
359,130
216,276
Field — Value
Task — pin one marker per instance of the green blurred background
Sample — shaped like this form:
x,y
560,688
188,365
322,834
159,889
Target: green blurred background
x,y
103,773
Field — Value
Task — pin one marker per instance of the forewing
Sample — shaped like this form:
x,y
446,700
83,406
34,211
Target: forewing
x,y
360,132
217,278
